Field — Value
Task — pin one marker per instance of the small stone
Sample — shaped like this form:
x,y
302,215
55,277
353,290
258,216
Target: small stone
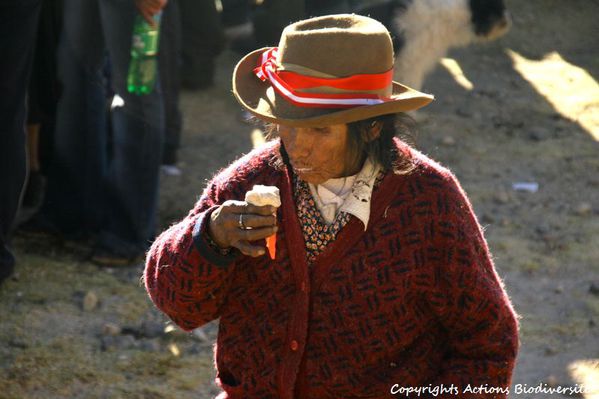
x,y
448,141
90,301
543,229
501,197
151,329
463,112
111,329
174,349
119,342
107,343
583,209
592,323
18,343
549,351
594,289
151,345
170,328
559,289
538,133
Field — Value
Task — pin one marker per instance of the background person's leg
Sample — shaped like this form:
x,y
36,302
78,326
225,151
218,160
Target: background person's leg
x,y
18,25
78,164
170,51
138,130
43,95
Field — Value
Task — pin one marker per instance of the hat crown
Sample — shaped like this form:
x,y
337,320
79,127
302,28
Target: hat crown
x,y
337,45
326,70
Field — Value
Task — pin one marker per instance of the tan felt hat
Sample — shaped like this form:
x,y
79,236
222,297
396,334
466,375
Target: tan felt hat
x,y
326,70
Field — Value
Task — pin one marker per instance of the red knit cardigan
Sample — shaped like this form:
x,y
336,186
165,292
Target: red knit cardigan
x,y
413,301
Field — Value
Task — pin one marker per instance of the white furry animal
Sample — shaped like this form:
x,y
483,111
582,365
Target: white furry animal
x,y
425,30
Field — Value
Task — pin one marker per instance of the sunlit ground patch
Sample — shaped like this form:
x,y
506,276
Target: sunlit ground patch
x,y
586,372
457,73
571,90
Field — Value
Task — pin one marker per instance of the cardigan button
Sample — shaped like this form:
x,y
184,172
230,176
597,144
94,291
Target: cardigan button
x,y
293,345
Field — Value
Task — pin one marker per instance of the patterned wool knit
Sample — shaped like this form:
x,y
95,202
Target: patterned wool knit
x,y
413,300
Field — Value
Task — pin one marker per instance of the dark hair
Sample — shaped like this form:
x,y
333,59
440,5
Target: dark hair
x,y
381,149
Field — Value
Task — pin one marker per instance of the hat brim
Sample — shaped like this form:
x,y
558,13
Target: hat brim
x,y
261,100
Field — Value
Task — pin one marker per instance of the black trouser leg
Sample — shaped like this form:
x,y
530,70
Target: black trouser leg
x,y
18,26
202,40
170,50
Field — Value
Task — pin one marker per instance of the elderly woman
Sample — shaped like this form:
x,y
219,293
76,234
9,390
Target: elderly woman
x,y
382,282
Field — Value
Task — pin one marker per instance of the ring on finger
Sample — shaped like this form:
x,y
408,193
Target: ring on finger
x,y
240,222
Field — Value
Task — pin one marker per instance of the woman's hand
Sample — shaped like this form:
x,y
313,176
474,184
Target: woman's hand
x,y
236,223
147,9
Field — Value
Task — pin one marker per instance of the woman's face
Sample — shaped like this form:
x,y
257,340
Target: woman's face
x,y
318,154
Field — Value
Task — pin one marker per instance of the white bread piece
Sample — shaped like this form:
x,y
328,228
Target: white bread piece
x,y
261,195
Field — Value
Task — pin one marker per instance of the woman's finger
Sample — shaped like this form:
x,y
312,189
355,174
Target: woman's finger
x,y
147,15
248,220
243,207
260,210
237,221
248,249
256,221
256,234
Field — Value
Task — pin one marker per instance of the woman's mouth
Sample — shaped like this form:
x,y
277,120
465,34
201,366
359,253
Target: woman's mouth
x,y
308,174
302,168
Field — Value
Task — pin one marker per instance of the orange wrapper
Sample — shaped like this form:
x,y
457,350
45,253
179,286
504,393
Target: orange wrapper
x,y
271,245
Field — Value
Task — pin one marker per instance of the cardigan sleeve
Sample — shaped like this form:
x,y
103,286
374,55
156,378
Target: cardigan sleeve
x,y
185,276
471,303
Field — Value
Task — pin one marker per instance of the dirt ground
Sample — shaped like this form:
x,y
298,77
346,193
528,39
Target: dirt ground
x,y
523,109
